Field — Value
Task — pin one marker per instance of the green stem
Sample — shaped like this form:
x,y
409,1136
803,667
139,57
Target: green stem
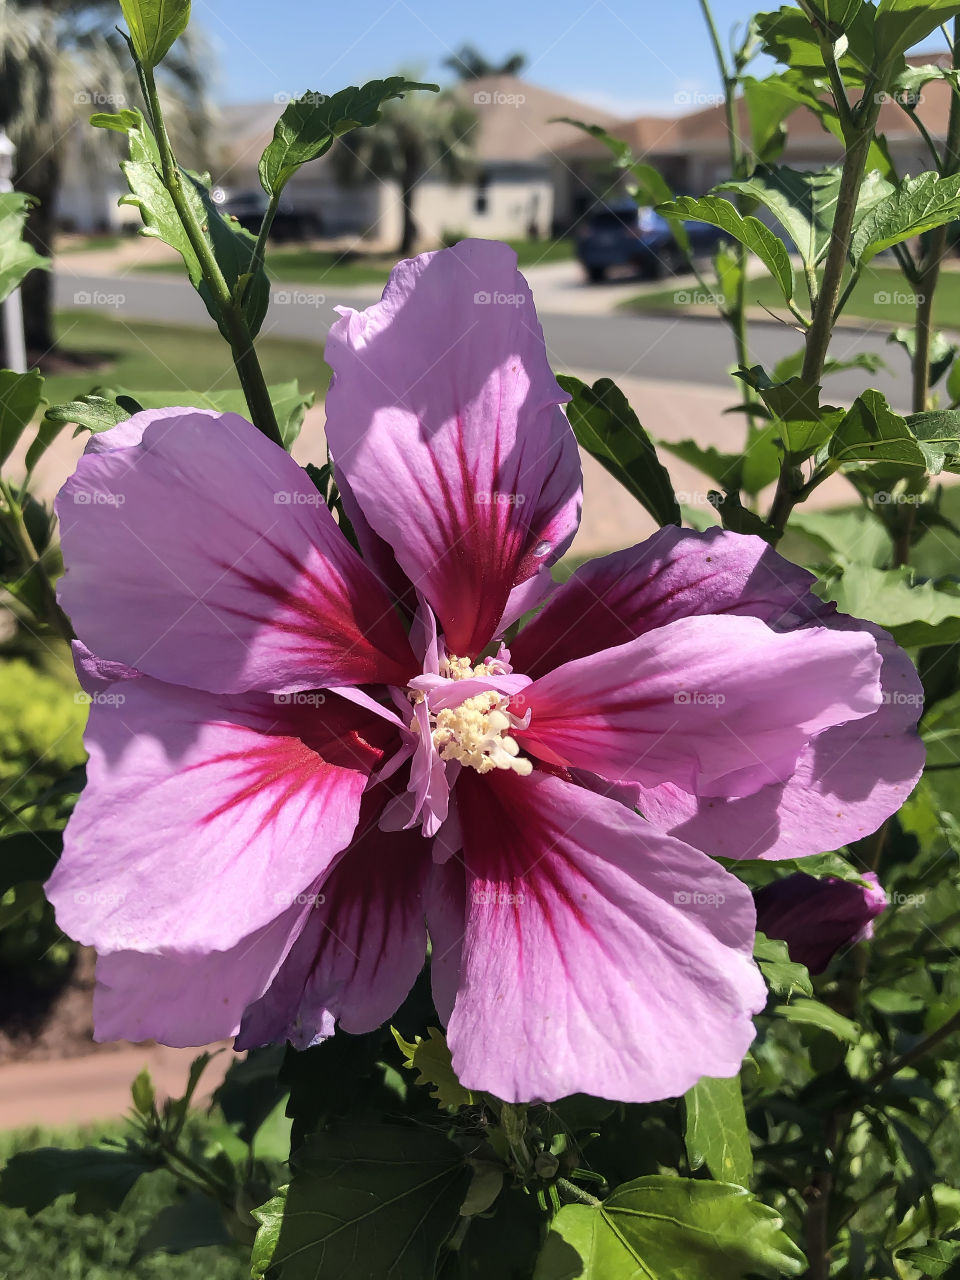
x,y
574,1195
238,335
821,330
737,314
914,1055
52,614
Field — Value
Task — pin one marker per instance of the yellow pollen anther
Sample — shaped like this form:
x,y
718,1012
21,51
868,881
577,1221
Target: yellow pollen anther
x,y
476,732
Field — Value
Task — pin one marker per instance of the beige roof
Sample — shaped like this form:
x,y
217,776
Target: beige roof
x,y
513,124
513,120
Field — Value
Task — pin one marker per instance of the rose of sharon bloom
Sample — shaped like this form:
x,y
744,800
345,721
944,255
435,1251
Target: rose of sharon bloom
x,y
818,918
312,762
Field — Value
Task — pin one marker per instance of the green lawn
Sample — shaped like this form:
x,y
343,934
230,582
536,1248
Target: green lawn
x,y
154,357
61,1244
882,294
325,268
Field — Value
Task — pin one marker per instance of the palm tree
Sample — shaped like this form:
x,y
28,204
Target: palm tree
x,y
470,64
417,135
60,59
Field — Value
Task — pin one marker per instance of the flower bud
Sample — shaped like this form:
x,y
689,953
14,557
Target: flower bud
x,y
818,918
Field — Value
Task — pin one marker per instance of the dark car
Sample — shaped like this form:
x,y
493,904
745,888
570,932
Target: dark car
x,y
290,224
624,235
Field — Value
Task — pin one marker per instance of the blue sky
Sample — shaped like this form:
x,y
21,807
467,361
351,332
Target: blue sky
x,y
631,56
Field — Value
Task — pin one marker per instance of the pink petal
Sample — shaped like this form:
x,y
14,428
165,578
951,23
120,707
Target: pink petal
x,y
717,705
847,781
362,947
202,817
204,556
677,573
599,955
182,999
443,417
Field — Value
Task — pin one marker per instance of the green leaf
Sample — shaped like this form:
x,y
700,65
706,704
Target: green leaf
x,y
901,24
784,977
93,412
767,108
21,395
916,205
915,613
750,231
812,1013
715,1133
845,537
195,1222
800,420
724,468
232,246
805,204
610,431
370,1200
28,855
937,1259
143,1093
938,432
270,1217
665,1228
788,36
98,1177
154,26
431,1058
877,443
310,125
16,257
942,350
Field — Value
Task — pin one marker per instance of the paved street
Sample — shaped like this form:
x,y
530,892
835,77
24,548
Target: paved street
x,y
683,349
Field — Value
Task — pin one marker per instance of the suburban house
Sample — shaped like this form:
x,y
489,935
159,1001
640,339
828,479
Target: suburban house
x,y
519,188
533,175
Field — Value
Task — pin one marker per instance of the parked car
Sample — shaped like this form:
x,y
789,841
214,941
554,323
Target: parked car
x,y
290,224
625,235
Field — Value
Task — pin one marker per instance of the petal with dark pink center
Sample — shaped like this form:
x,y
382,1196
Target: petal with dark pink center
x,y
599,955
361,948
202,817
204,556
717,705
443,417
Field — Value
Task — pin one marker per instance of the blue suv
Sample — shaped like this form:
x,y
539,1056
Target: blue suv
x,y
624,235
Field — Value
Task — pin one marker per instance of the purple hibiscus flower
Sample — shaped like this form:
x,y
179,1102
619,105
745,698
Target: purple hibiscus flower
x,y
304,764
818,918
